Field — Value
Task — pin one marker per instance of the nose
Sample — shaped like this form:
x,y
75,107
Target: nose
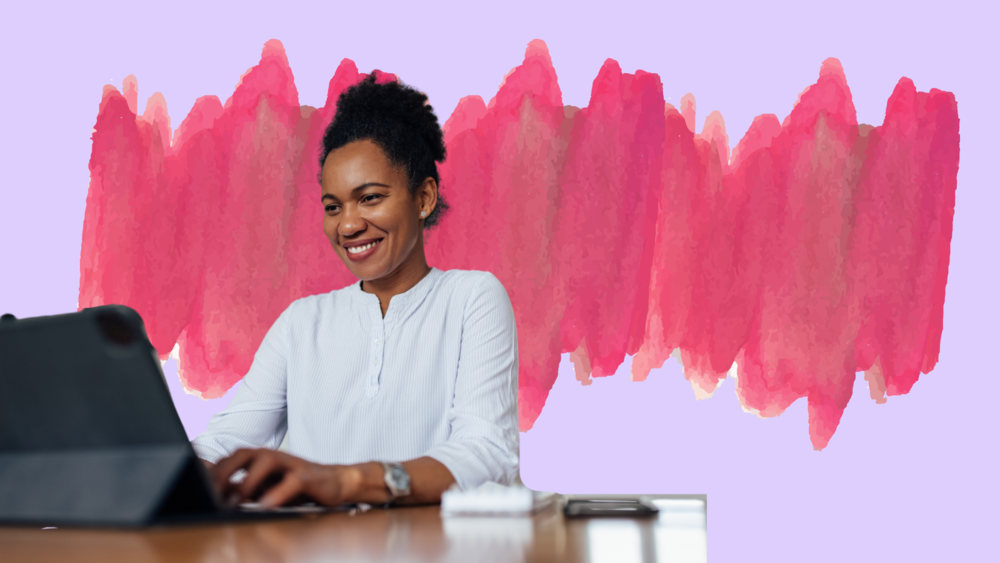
x,y
351,222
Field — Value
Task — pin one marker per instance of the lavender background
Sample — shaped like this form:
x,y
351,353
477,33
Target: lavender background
x,y
911,480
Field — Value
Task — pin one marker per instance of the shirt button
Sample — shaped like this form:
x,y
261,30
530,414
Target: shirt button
x,y
377,342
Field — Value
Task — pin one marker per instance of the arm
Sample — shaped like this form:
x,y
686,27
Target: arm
x,y
483,445
275,478
256,415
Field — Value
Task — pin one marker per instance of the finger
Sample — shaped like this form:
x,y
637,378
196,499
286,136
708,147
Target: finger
x,y
260,468
288,488
224,470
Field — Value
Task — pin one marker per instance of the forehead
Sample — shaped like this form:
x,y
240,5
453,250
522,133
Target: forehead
x,y
358,163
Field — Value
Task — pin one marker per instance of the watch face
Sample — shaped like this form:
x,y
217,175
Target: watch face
x,y
400,477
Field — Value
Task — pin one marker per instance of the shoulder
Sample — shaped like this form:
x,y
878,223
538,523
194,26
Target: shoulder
x,y
469,279
469,283
475,292
312,307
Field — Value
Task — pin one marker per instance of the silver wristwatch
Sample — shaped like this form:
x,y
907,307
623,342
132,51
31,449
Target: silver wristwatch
x,y
397,480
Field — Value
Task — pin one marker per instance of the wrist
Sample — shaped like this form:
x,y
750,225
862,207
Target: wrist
x,y
365,482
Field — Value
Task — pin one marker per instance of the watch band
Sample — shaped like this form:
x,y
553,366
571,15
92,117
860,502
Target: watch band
x,y
397,480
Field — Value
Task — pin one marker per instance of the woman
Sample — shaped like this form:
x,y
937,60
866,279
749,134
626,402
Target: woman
x,y
397,387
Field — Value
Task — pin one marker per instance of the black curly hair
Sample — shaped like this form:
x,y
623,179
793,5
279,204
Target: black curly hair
x,y
398,119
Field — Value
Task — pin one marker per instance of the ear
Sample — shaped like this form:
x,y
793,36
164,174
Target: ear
x,y
427,196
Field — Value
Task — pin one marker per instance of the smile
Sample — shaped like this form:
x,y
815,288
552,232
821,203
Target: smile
x,y
360,249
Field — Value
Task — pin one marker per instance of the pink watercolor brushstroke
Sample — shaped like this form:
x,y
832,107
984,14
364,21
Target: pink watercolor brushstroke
x,y
818,248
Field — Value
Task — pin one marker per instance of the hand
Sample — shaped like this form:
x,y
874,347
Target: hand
x,y
275,478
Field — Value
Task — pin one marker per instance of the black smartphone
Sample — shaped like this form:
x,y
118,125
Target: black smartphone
x,y
580,508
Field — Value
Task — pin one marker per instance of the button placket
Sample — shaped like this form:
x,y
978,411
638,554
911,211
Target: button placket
x,y
397,310
377,347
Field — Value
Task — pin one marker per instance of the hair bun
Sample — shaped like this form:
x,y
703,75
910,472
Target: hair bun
x,y
400,120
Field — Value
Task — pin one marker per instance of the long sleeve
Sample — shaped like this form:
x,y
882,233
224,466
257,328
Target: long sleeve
x,y
256,417
484,443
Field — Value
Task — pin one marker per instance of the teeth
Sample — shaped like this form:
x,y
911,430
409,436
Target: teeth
x,y
360,249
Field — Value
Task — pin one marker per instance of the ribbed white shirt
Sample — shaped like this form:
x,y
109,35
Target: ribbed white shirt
x,y
436,377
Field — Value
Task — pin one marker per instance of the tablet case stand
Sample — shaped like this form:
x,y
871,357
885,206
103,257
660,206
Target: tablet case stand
x,y
88,431
109,487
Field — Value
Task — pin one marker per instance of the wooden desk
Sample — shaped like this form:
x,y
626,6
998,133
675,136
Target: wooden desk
x,y
398,534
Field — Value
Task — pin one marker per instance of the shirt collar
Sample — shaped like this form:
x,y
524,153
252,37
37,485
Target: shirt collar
x,y
403,302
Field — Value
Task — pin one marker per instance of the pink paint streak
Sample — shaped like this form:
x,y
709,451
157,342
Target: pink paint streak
x,y
817,249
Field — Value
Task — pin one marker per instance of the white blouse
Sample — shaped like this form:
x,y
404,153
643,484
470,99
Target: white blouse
x,y
436,377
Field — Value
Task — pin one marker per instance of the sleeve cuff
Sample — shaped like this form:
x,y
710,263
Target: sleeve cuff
x,y
469,471
206,452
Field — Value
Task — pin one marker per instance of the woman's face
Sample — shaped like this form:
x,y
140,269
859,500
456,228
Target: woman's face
x,y
372,219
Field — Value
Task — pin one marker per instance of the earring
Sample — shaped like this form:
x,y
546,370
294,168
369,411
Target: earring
x,y
423,214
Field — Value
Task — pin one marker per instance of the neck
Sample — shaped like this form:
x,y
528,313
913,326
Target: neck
x,y
400,281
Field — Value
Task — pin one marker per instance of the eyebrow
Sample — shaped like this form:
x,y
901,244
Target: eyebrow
x,y
355,191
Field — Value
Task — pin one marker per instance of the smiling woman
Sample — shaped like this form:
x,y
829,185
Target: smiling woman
x,y
397,387
373,220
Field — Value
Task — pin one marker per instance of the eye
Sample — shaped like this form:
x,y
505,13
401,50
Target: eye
x,y
368,198
331,208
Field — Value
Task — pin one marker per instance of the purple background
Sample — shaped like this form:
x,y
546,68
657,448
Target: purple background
x,y
911,480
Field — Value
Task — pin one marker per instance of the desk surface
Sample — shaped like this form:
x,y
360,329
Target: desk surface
x,y
678,533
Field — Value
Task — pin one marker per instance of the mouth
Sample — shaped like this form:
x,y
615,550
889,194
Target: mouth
x,y
357,252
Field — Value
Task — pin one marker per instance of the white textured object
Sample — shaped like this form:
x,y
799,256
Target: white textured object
x,y
493,498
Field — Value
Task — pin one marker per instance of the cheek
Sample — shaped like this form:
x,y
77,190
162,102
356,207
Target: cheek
x,y
402,229
329,227
407,236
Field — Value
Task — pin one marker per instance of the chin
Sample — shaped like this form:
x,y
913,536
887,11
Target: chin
x,y
367,273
